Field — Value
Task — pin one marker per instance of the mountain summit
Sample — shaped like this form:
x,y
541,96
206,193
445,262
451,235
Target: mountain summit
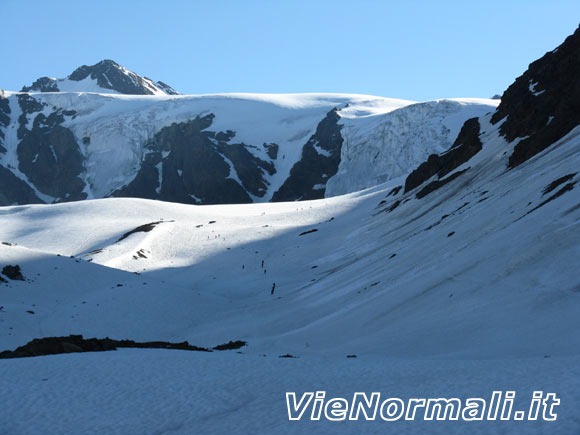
x,y
107,76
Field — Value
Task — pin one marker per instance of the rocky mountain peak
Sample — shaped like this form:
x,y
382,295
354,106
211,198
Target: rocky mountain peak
x,y
106,75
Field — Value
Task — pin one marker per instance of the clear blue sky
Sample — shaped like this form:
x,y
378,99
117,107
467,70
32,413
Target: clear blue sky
x,y
416,50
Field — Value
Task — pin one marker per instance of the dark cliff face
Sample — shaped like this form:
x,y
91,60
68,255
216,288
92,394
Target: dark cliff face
x,y
465,146
189,164
4,119
319,161
14,190
543,104
48,153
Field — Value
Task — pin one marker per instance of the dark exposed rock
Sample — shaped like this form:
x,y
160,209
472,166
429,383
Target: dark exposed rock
x,y
110,75
554,184
543,104
248,167
282,356
567,188
465,147
272,150
13,272
319,161
394,205
48,153
43,84
225,136
231,345
52,161
141,229
193,166
76,343
4,118
308,232
139,254
434,185
28,105
13,190
394,191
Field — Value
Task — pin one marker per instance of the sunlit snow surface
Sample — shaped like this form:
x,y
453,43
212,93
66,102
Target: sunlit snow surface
x,y
487,298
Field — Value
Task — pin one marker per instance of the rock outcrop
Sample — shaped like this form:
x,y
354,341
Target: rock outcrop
x,y
319,161
465,146
76,343
543,104
188,163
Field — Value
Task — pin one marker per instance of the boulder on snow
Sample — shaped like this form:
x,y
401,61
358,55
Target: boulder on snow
x,y
231,345
13,272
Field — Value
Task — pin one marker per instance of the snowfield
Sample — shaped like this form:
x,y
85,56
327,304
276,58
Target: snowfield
x,y
463,291
175,392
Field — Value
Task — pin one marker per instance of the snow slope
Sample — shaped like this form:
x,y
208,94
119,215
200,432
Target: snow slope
x,y
354,277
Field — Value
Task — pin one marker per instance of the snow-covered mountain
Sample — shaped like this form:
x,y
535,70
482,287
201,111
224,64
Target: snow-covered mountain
x,y
105,77
457,278
89,136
